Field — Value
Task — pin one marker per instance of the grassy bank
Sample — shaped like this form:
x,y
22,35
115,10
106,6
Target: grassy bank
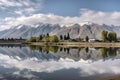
x,y
78,44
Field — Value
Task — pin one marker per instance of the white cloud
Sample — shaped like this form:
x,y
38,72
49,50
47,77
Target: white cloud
x,y
29,10
25,2
109,18
101,17
25,11
19,3
20,7
9,3
18,12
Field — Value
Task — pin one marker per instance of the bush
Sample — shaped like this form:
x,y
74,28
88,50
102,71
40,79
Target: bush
x,y
50,39
45,39
34,39
53,38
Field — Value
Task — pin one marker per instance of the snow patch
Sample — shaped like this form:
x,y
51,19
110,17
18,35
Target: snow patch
x,y
85,23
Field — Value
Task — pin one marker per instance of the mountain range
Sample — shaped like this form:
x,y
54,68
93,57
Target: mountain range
x,y
92,30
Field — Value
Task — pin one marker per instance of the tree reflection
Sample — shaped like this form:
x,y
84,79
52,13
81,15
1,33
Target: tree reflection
x,y
46,49
87,49
68,50
109,52
32,47
12,45
53,49
79,52
104,52
61,49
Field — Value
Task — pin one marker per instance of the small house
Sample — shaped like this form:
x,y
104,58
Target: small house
x,y
92,40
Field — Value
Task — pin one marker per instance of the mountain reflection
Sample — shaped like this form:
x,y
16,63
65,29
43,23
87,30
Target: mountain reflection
x,y
33,62
33,65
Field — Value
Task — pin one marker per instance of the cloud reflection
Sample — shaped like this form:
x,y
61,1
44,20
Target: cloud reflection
x,y
86,67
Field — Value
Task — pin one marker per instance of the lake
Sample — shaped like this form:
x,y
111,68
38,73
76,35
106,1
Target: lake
x,y
58,63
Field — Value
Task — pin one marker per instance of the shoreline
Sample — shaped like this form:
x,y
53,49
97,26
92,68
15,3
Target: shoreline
x,y
12,44
67,44
78,44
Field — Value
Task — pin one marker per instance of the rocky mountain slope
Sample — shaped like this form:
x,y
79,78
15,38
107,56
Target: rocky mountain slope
x,y
92,30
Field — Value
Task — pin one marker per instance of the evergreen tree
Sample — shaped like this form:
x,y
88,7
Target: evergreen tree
x,y
61,37
65,38
41,37
47,34
87,38
68,36
20,37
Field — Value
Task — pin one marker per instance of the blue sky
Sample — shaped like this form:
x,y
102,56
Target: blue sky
x,y
15,12
73,7
58,7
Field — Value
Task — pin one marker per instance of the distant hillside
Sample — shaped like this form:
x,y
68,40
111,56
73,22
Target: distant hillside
x,y
92,30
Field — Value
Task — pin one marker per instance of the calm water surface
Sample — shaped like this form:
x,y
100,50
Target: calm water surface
x,y
58,63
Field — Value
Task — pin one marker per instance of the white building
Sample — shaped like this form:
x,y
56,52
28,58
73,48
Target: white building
x,y
92,40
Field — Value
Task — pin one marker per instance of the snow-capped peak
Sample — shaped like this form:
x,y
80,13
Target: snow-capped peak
x,y
67,25
85,23
81,24
19,27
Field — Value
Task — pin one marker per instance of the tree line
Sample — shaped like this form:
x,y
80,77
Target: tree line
x,y
48,38
12,39
105,37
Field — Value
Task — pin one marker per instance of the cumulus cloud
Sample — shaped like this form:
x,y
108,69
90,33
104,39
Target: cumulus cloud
x,y
18,12
101,17
18,3
23,11
109,18
20,7
9,3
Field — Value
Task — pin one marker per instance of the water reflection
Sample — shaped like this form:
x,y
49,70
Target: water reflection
x,y
77,53
109,52
51,63
13,45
